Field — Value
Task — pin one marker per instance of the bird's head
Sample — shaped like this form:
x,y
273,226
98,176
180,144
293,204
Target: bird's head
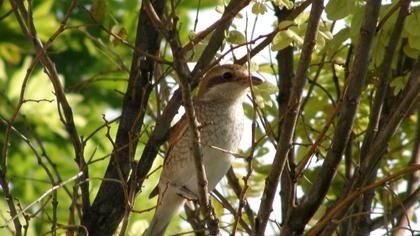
x,y
226,82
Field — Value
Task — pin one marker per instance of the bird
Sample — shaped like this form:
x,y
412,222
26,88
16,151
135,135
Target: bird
x,y
219,112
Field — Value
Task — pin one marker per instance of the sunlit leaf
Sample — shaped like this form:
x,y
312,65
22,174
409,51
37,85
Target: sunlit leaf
x,y
411,52
412,22
259,8
284,3
337,9
120,31
11,53
99,10
281,41
235,37
414,42
398,83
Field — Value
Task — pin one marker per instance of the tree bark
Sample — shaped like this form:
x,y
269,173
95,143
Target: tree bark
x,y
110,203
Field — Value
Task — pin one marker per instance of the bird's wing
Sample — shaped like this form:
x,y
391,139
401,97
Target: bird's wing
x,y
175,134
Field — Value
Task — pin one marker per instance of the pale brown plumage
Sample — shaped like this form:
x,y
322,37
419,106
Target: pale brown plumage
x,y
219,111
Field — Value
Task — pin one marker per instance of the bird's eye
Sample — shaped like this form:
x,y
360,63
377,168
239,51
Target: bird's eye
x,y
227,75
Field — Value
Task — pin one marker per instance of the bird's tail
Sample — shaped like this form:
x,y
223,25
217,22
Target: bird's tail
x,y
168,204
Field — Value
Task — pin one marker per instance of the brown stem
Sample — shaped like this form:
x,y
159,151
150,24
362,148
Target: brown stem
x,y
350,197
293,14
351,96
413,182
398,211
111,201
285,67
233,182
376,112
289,122
25,19
409,99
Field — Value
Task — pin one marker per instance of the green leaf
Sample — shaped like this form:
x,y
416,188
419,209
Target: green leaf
x,y
261,168
43,9
414,42
336,9
337,40
235,37
99,10
3,75
286,37
138,226
263,94
91,48
411,52
259,8
11,53
294,33
412,22
262,151
285,24
220,9
356,23
284,3
320,42
267,68
399,83
266,88
326,34
194,55
44,19
281,41
119,31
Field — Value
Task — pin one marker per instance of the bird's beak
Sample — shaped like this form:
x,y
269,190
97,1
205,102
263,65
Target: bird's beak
x,y
256,80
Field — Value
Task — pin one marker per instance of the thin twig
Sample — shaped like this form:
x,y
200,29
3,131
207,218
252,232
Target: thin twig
x,y
289,122
350,197
47,193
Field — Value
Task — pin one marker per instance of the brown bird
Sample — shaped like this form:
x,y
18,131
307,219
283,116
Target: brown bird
x,y
219,111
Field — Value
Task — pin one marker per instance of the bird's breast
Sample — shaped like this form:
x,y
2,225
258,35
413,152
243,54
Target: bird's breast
x,y
221,127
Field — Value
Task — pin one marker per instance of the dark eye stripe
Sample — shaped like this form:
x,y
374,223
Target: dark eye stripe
x,y
215,81
227,75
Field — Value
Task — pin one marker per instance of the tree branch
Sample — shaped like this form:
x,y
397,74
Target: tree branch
x,y
284,83
290,118
351,96
413,182
237,189
110,203
409,99
25,19
291,16
376,111
398,211
350,197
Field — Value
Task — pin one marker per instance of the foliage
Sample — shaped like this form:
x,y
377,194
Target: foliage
x,y
93,57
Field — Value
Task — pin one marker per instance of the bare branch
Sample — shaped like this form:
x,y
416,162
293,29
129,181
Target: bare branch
x,y
112,200
292,15
289,122
350,197
351,96
398,211
47,193
413,182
